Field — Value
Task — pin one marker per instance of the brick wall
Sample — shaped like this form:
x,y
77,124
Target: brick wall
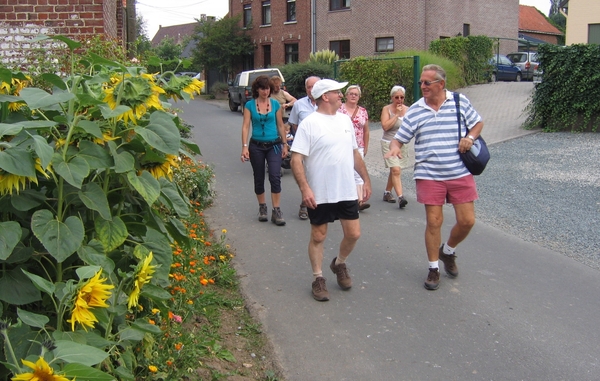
x,y
279,32
21,20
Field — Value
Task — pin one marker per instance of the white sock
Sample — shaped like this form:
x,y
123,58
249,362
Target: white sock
x,y
434,265
448,250
317,275
386,192
339,260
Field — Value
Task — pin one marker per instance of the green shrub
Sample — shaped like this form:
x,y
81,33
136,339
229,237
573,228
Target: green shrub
x,y
471,55
325,56
296,73
377,76
218,88
567,98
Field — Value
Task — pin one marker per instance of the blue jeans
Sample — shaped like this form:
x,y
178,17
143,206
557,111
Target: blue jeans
x,y
272,156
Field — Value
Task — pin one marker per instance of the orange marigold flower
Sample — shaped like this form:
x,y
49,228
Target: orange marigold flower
x,y
190,301
151,322
211,281
206,243
204,282
178,346
152,369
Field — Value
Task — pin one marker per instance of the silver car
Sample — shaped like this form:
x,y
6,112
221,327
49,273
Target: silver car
x,y
527,61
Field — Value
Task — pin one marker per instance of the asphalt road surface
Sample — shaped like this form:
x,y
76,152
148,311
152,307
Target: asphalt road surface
x,y
516,312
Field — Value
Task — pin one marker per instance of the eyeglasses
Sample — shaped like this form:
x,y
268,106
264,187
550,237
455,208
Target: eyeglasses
x,y
352,94
398,97
338,92
428,83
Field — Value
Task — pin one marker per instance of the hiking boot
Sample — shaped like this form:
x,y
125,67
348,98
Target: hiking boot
x,y
433,279
262,212
277,217
319,290
388,197
363,205
449,263
402,202
303,213
342,273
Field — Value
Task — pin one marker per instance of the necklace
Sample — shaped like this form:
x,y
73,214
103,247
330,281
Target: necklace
x,y
263,117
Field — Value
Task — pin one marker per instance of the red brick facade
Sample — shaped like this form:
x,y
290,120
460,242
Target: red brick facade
x,y
407,24
20,20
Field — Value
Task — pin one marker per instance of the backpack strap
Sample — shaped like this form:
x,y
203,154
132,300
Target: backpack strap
x,y
457,102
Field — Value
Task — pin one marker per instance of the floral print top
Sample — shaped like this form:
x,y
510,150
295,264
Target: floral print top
x,y
359,121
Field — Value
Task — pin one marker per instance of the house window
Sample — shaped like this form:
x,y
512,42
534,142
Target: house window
x,y
266,12
291,10
341,48
291,53
336,5
466,30
593,33
266,55
384,44
247,15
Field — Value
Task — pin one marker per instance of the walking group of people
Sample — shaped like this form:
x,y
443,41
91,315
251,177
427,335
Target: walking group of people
x,y
330,141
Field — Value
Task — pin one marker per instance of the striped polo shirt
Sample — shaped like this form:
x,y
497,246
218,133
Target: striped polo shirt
x,y
436,137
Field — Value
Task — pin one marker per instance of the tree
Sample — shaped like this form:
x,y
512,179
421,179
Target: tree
x,y
142,42
221,44
168,49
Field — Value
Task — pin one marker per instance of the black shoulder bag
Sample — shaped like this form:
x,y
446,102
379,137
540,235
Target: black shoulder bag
x,y
478,156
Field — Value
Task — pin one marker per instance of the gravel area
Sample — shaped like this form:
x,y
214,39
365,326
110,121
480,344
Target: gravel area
x,y
545,189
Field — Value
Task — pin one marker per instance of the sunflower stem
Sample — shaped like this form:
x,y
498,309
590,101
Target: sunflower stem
x,y
8,346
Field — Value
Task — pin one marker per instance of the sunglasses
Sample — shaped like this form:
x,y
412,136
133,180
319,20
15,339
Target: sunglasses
x,y
428,83
398,97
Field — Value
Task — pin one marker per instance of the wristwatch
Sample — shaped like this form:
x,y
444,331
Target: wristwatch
x,y
471,137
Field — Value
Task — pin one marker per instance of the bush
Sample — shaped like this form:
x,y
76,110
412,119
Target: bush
x,y
567,98
471,55
218,88
327,57
377,76
295,74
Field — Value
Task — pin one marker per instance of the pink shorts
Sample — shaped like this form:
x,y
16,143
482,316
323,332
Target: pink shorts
x,y
457,191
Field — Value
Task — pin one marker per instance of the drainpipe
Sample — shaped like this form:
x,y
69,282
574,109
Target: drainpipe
x,y
313,25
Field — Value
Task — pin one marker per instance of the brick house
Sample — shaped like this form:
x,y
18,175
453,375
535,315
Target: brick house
x,y
21,20
288,30
535,27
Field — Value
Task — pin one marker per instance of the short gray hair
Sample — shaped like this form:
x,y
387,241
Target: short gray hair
x,y
440,73
354,87
397,88
312,76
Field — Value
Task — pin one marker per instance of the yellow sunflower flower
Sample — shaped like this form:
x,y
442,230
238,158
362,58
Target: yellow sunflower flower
x,y
164,169
92,294
143,276
139,93
41,371
14,88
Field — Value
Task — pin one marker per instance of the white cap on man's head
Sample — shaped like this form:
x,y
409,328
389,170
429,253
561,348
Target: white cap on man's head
x,y
324,85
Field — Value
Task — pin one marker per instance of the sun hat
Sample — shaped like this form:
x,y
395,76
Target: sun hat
x,y
324,85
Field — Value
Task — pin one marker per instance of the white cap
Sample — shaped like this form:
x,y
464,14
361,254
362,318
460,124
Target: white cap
x,y
324,85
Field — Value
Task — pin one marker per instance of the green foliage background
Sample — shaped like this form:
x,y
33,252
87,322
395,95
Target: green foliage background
x,y
295,74
471,55
567,98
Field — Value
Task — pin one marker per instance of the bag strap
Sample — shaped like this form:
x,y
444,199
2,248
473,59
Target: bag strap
x,y
355,112
457,102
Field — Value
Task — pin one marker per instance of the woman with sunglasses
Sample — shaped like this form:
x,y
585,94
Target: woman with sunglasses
x,y
360,121
391,118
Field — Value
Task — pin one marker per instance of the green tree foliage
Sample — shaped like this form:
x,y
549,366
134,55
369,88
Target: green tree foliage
x,y
567,98
221,44
168,49
142,42
471,54
295,74
324,56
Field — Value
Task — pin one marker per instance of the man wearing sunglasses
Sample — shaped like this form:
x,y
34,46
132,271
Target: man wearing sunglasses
x,y
439,172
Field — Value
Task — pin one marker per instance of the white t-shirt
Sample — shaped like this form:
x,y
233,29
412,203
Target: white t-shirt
x,y
328,142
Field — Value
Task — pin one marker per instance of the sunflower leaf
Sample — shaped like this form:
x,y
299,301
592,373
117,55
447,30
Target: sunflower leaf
x,y
31,319
111,232
74,171
83,372
37,98
61,239
18,162
71,352
146,185
94,198
10,235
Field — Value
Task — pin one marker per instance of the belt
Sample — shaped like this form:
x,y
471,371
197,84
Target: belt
x,y
265,144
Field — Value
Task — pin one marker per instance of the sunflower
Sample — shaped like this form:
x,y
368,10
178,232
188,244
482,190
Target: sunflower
x,y
14,88
10,182
93,293
139,93
164,169
185,84
41,371
143,275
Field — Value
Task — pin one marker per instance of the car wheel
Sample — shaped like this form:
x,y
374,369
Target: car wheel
x,y
518,77
493,78
232,105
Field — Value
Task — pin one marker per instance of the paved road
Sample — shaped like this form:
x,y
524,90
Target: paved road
x,y
516,312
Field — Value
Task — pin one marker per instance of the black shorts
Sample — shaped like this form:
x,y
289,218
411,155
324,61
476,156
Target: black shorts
x,y
325,213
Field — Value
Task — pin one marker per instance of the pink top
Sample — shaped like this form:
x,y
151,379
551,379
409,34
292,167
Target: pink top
x,y
359,121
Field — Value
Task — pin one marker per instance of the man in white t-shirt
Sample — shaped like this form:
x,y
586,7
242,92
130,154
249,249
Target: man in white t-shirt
x,y
324,157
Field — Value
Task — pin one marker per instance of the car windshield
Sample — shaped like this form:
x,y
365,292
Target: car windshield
x,y
517,57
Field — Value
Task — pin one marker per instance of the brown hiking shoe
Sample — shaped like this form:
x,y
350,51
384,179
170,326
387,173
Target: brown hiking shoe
x,y
319,290
277,217
303,213
389,197
262,212
402,202
449,263
342,273
433,279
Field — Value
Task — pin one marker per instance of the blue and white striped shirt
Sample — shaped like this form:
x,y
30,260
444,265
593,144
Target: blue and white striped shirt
x,y
436,137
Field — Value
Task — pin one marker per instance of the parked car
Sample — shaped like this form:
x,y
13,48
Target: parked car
x,y
187,73
240,90
537,74
504,70
526,61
